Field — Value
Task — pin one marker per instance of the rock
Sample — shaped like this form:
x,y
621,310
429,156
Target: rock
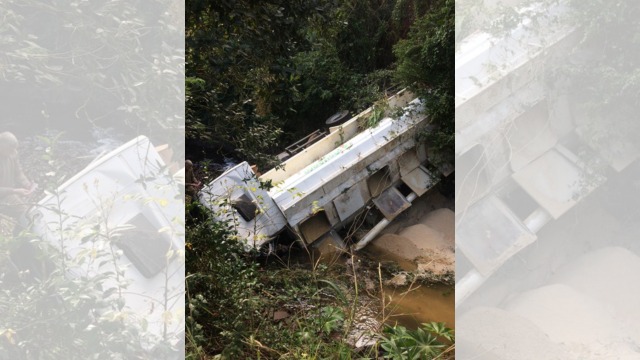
x,y
400,279
280,315
365,326
369,285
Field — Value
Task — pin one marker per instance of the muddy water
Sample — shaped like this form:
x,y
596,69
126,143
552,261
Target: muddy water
x,y
386,257
421,240
421,305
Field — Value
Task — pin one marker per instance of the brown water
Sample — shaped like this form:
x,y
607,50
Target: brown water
x,y
420,305
407,308
423,234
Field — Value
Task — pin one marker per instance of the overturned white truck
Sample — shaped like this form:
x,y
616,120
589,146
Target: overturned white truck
x,y
128,204
546,227
323,187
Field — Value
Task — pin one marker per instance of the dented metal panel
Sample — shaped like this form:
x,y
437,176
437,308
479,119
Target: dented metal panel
x,y
349,202
332,214
419,180
408,162
240,182
490,234
530,136
314,227
391,203
554,182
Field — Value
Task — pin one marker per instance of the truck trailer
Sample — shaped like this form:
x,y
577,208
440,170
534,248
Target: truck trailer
x,y
323,187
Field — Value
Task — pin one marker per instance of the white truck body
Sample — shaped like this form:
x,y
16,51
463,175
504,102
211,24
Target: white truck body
x,y
327,184
231,186
129,195
515,134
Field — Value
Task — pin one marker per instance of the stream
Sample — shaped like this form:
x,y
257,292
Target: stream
x,y
416,244
412,307
420,243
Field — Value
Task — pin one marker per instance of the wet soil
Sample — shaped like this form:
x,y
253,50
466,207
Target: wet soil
x,y
420,244
412,307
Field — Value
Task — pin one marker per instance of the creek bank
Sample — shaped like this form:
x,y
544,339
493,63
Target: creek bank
x,y
408,271
419,244
416,252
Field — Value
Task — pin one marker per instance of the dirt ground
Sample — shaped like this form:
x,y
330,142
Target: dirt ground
x,y
570,295
422,239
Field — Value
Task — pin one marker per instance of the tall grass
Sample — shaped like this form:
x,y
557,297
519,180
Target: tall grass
x,y
242,307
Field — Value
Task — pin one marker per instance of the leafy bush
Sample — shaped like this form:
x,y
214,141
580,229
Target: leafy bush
x,y
432,340
56,305
221,289
426,66
231,302
287,65
78,63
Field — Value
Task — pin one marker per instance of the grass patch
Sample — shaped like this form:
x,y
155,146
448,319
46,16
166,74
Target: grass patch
x,y
241,308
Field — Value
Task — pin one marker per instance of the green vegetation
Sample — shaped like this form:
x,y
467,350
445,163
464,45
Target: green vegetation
x,y
238,308
429,341
605,82
426,65
260,75
78,64
256,67
54,304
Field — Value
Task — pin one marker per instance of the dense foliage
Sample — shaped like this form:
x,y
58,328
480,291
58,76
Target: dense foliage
x,y
604,77
71,65
232,300
265,67
426,65
238,308
261,75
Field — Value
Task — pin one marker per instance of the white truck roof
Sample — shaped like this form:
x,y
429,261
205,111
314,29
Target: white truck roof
x,y
131,191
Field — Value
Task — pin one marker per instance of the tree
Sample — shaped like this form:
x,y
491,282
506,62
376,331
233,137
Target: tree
x,y
426,66
239,68
77,64
256,67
